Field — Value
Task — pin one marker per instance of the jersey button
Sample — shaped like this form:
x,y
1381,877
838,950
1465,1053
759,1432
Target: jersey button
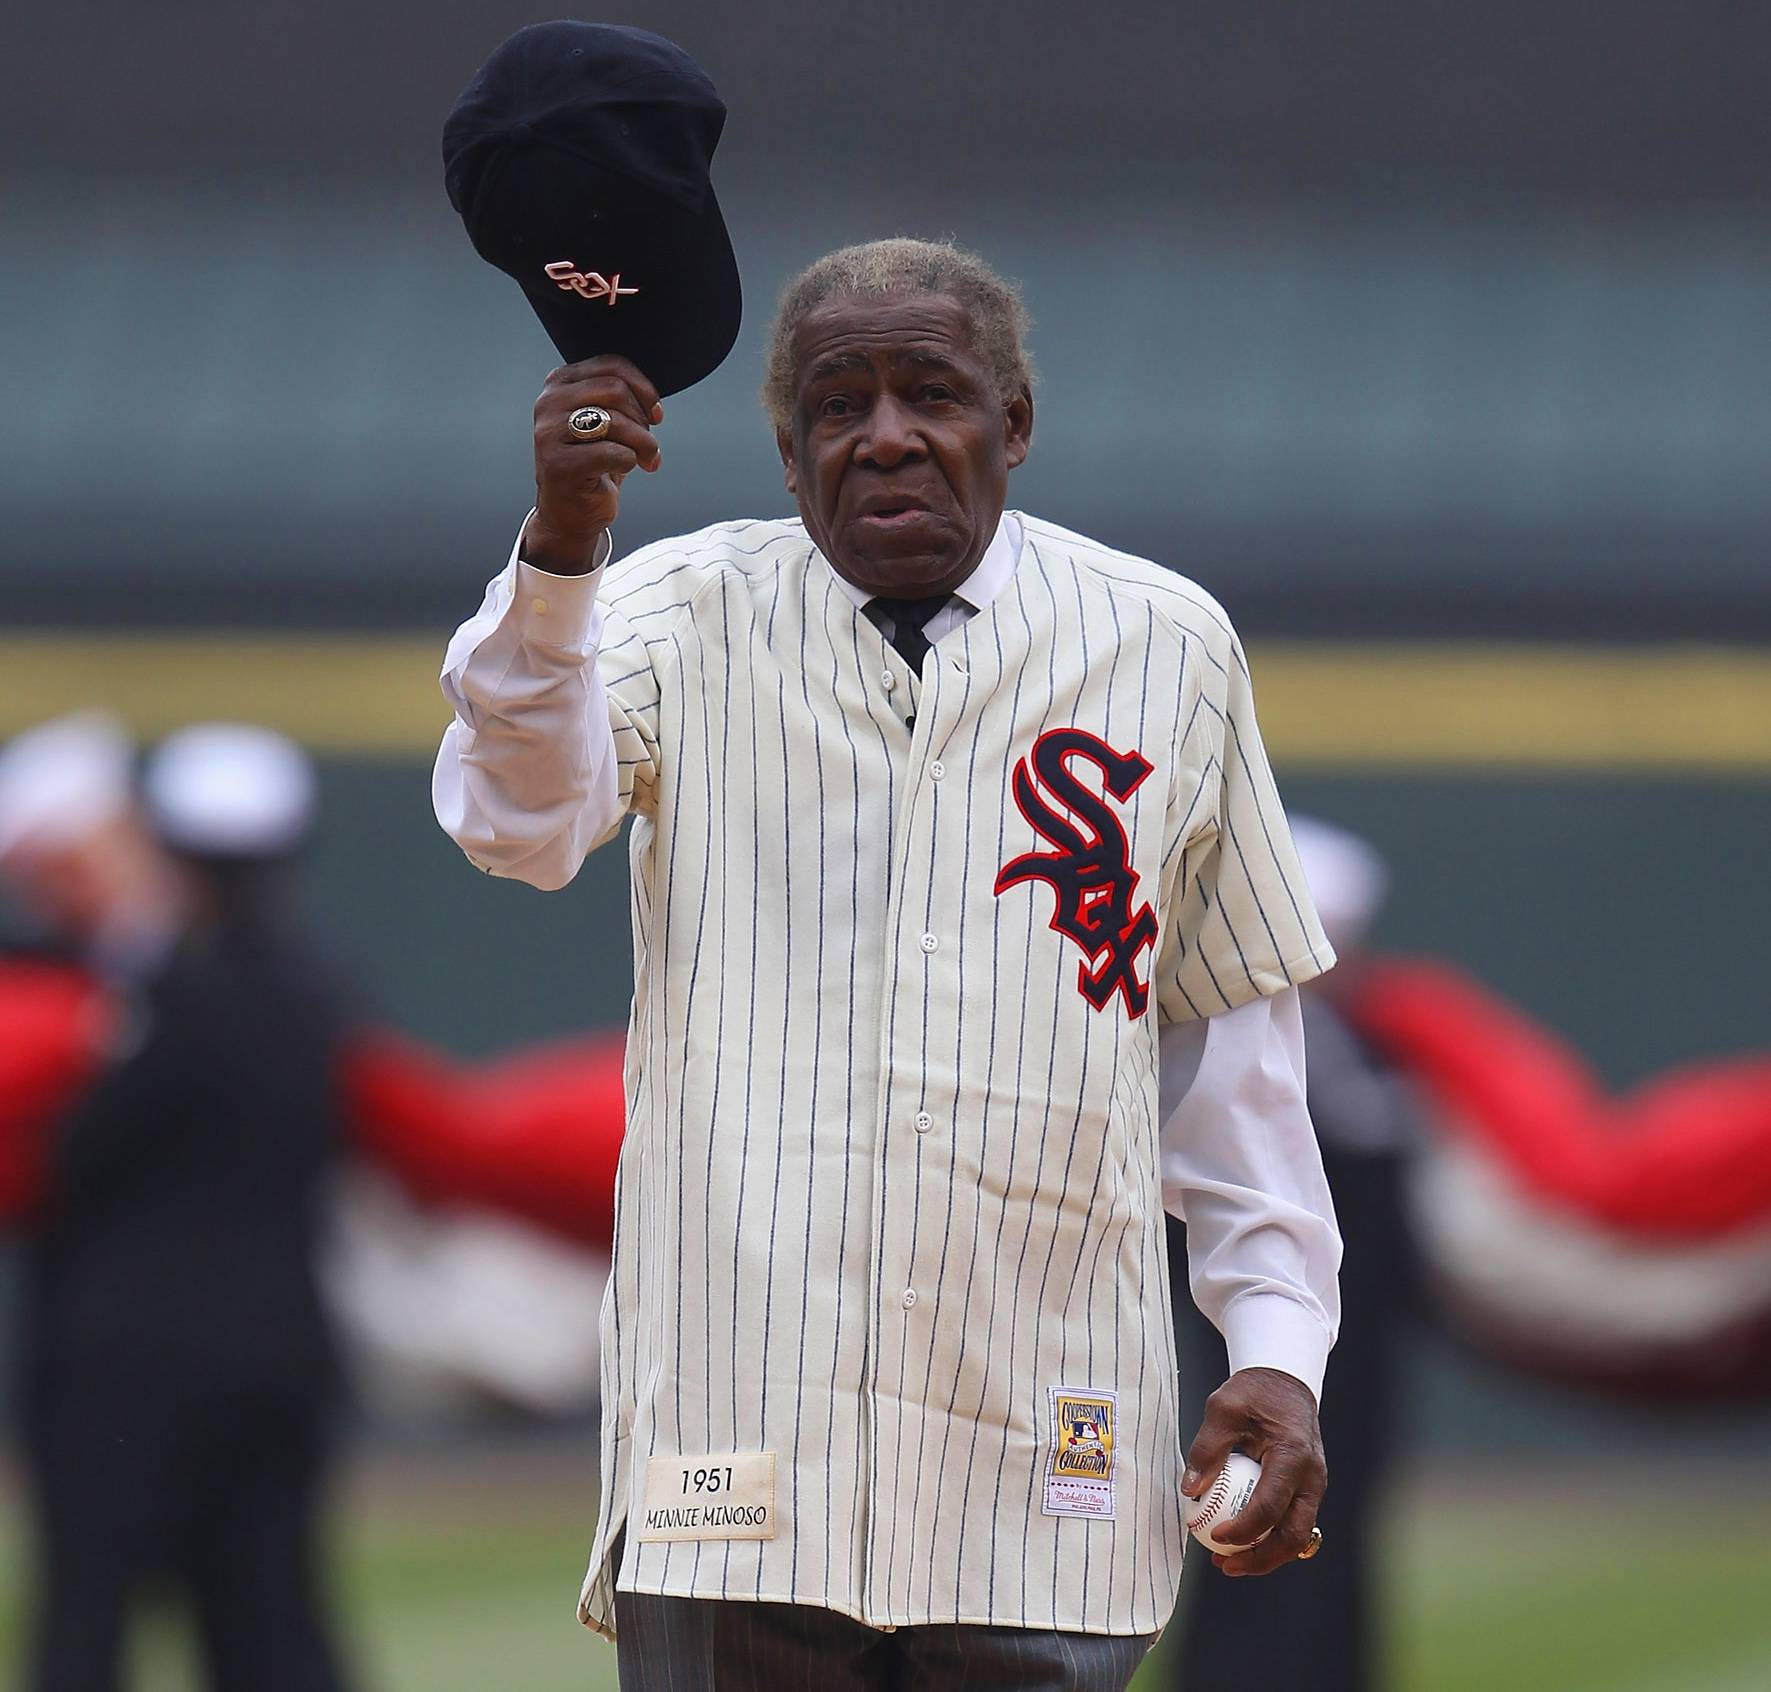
x,y
929,942
538,606
924,1122
937,769
888,681
909,1298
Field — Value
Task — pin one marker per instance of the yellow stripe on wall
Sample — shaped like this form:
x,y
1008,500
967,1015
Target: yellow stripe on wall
x,y
1667,710
1419,706
337,693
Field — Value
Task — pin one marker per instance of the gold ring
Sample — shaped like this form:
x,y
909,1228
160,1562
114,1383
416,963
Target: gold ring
x,y
589,422
1313,1547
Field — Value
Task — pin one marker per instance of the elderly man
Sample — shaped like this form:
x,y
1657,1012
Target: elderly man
x,y
967,930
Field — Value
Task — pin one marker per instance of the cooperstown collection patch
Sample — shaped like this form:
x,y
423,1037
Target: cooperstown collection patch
x,y
1079,1473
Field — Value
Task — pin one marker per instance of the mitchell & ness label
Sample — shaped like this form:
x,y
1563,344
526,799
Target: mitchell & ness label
x,y
726,1496
1079,1474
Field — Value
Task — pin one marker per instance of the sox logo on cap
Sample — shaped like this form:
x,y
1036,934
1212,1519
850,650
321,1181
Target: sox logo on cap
x,y
591,284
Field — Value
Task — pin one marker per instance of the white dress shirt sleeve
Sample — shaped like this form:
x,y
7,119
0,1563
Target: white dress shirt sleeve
x,y
1241,1167
527,780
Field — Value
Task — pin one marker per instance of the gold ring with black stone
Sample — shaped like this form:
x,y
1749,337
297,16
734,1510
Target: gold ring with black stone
x,y
589,423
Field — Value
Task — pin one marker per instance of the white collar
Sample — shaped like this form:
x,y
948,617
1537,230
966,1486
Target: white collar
x,y
989,577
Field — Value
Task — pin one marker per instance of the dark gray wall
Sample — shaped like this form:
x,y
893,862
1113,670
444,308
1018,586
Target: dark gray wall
x,y
1627,101
1387,318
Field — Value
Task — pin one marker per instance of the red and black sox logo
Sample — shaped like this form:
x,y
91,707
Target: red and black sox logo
x,y
1092,878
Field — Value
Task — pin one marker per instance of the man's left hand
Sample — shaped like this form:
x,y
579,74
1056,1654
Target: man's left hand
x,y
1271,1416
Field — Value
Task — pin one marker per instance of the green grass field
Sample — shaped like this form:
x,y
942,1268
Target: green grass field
x,y
458,1575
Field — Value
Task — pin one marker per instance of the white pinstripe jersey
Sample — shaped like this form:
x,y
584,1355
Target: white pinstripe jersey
x,y
890,1188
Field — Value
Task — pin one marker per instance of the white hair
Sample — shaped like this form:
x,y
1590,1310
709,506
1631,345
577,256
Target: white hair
x,y
903,265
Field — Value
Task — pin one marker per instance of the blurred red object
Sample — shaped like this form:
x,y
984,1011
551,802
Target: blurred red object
x,y
1620,1244
52,1023
536,1135
1685,1157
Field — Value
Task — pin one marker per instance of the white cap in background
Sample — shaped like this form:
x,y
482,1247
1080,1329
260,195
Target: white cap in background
x,y
230,790
1348,880
63,781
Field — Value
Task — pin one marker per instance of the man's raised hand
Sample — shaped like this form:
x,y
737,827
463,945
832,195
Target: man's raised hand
x,y
578,481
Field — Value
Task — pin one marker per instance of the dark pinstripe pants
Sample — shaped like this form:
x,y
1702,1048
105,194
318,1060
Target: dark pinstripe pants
x,y
714,1645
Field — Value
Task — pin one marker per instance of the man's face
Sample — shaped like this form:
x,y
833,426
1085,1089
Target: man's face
x,y
900,448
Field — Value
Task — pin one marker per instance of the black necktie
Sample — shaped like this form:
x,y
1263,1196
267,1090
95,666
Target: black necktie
x,y
907,619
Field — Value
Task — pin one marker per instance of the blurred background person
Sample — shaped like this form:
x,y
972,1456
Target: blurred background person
x,y
179,1379
181,1079
1317,1629
177,1080
1488,1183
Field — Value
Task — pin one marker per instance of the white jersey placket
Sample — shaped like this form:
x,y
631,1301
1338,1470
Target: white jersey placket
x,y
899,1308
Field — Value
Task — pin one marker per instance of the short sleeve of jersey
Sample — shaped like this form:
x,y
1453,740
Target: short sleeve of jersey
x,y
1240,922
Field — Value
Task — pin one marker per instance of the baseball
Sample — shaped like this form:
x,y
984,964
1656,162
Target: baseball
x,y
1223,1502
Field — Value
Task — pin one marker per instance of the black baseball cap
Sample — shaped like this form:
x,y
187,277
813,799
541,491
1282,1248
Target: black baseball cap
x,y
578,158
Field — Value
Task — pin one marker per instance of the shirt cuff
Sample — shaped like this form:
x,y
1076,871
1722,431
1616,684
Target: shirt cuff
x,y
556,610
1271,1331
